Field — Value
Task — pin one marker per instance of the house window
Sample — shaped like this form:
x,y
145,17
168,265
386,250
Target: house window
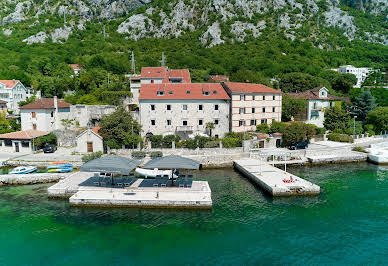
x,y
200,122
25,144
188,92
264,121
253,110
33,114
168,122
253,97
160,93
34,126
152,107
315,106
263,109
200,107
206,93
152,81
273,97
216,121
8,143
253,122
273,109
241,123
52,114
168,107
263,97
242,97
185,107
184,122
216,136
216,107
242,110
152,122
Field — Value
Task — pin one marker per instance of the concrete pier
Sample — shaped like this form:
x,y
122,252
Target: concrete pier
x,y
271,179
196,196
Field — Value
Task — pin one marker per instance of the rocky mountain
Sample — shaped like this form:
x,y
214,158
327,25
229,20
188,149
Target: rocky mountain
x,y
217,21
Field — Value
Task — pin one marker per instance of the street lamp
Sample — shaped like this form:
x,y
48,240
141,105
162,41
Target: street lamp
x,y
354,127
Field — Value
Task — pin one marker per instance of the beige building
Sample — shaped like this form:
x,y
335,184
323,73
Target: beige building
x,y
90,141
252,104
184,109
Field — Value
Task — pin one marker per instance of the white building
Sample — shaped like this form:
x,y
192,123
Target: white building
x,y
76,68
49,114
19,141
252,104
361,73
90,141
13,92
183,109
318,100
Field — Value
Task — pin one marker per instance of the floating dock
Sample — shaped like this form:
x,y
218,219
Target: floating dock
x,y
196,196
274,180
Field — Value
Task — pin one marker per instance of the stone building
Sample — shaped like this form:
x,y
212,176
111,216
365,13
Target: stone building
x,y
183,109
252,104
19,141
90,141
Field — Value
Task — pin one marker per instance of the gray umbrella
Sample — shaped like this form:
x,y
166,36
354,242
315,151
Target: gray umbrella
x,y
172,162
111,164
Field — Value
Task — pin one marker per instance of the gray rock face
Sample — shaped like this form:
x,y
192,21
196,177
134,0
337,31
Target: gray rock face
x,y
61,34
40,37
241,29
19,14
335,17
7,32
212,36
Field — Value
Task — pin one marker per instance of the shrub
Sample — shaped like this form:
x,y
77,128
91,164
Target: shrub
x,y
40,142
201,141
139,154
263,128
297,132
156,154
320,130
132,141
156,141
167,140
279,127
340,137
212,144
229,142
359,149
89,157
369,129
191,144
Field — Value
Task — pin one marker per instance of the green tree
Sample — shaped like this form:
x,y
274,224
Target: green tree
x,y
379,119
344,83
293,107
4,124
210,126
363,104
298,82
262,128
297,132
117,127
336,119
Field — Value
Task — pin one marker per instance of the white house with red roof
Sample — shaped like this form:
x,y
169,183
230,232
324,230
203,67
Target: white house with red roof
x,y
252,104
13,92
183,109
90,141
76,68
20,141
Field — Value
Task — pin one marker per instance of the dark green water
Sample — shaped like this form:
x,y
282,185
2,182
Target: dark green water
x,y
346,224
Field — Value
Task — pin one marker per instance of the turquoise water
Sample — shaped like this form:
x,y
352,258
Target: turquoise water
x,y
346,224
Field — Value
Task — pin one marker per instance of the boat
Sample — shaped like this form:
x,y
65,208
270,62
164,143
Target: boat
x,y
148,173
23,170
59,162
54,166
60,170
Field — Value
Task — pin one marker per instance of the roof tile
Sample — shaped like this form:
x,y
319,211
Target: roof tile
x,y
249,88
45,103
27,134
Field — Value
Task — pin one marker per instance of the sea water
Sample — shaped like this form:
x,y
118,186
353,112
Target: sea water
x,y
346,224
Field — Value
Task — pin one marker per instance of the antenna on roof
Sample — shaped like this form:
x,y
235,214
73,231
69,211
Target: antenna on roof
x,y
163,61
133,63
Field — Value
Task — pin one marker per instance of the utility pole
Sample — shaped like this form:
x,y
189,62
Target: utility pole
x,y
163,61
133,63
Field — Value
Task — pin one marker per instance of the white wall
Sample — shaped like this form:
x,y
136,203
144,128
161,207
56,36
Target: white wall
x,y
86,137
319,109
192,115
12,149
15,95
43,119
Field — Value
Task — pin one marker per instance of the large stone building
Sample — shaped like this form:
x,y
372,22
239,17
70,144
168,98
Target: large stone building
x,y
318,100
13,92
183,109
252,104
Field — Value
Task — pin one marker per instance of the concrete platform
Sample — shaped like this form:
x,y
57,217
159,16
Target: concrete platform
x,y
68,187
26,179
271,179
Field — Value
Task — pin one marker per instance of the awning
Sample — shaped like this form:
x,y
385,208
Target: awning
x,y
172,162
111,164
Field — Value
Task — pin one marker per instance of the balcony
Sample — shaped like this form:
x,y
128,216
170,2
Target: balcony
x,y
184,129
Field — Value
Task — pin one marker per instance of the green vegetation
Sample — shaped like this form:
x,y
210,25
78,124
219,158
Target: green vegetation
x,y
156,154
293,107
139,154
91,156
42,141
336,119
339,137
359,149
363,104
262,128
298,132
379,119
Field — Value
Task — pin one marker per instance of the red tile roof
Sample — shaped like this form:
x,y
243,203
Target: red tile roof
x,y
96,129
1,101
9,83
179,91
165,73
250,88
27,134
314,95
75,66
45,103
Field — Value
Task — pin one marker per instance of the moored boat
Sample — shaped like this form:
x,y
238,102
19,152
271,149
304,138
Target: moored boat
x,y
60,170
23,170
148,173
59,166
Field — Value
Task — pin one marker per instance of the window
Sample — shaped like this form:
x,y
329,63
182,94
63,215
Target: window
x,y
168,107
241,97
263,109
184,122
273,109
160,93
241,123
152,122
200,107
33,114
253,122
170,92
216,107
253,110
52,114
200,122
188,92
214,92
263,97
168,122
216,122
185,107
152,81
206,93
152,107
34,126
25,144
273,97
264,121
315,106
253,97
8,143
242,110
216,136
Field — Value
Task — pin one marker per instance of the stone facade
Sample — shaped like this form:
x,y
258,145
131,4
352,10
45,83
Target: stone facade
x,y
89,141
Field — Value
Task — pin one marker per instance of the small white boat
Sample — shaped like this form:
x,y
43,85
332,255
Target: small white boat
x,y
23,170
148,173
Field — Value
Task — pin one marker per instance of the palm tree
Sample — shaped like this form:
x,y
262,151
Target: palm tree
x,y
210,126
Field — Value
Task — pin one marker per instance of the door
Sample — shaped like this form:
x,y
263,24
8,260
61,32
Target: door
x,y
90,147
278,143
34,126
261,144
16,146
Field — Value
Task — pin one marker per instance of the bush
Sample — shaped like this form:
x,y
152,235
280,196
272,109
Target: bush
x,y
359,149
156,154
156,141
49,139
297,132
263,128
132,141
229,142
212,144
320,130
167,141
201,141
89,157
369,129
190,144
278,127
139,154
339,137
